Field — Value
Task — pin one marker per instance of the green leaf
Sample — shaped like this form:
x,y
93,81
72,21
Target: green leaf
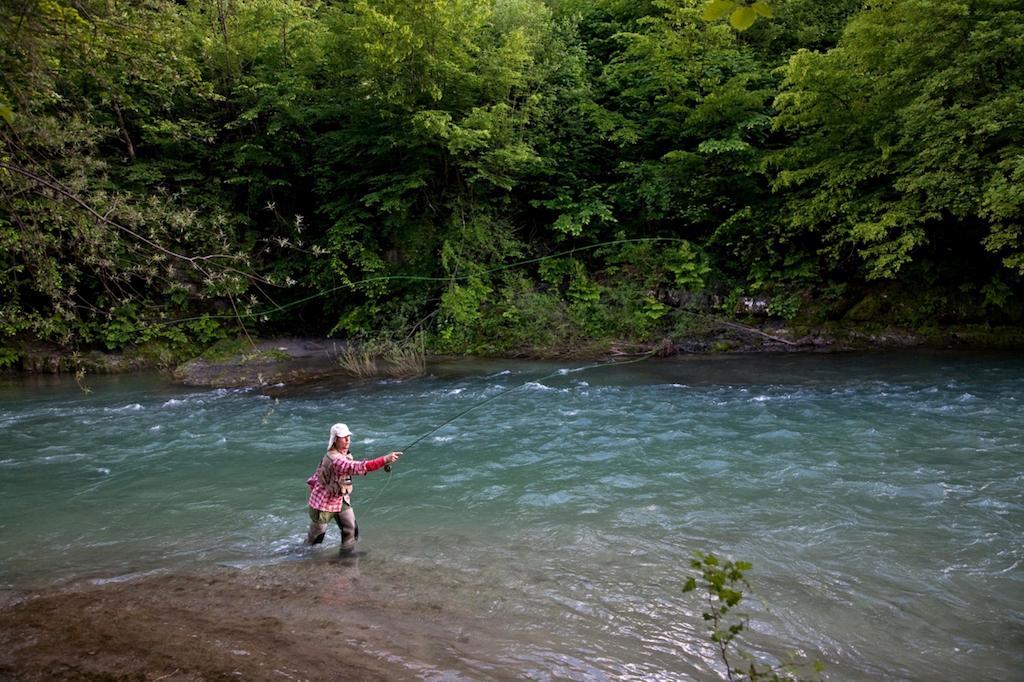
x,y
763,9
7,114
743,18
690,585
731,145
717,9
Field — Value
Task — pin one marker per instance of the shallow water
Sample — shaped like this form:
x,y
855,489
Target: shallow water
x,y
879,498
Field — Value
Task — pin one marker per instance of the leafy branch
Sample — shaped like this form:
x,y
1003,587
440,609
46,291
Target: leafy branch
x,y
741,15
194,261
721,581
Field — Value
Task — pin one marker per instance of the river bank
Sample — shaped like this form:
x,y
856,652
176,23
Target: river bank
x,y
290,361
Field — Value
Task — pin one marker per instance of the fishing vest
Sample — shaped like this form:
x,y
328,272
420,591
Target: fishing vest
x,y
336,486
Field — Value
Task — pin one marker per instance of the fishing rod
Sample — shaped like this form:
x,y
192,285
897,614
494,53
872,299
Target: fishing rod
x,y
557,372
479,404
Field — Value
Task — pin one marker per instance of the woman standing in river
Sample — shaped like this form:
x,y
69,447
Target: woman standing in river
x,y
331,488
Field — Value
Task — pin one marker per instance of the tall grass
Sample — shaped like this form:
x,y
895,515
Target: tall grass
x,y
394,359
406,360
358,362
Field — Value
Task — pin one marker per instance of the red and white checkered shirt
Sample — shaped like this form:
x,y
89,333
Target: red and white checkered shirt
x,y
342,467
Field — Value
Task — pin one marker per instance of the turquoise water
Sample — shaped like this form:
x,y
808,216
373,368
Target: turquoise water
x,y
879,498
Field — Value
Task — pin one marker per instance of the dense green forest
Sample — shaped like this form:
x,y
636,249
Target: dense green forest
x,y
504,175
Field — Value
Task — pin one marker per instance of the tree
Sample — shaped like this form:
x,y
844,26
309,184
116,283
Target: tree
x,y
93,226
908,134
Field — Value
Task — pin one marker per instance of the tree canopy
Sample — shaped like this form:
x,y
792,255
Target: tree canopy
x,y
501,174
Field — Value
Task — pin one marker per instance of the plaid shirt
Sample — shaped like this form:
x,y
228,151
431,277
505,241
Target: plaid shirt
x,y
343,467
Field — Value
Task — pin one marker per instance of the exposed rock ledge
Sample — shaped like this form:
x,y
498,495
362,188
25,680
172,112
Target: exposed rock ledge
x,y
275,361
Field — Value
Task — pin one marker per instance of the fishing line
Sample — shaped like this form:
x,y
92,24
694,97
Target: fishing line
x,y
479,404
416,278
557,372
457,278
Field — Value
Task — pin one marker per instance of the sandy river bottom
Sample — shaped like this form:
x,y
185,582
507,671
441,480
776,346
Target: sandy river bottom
x,y
322,620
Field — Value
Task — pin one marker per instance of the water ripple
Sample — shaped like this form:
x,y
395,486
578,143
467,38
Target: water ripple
x,y
878,498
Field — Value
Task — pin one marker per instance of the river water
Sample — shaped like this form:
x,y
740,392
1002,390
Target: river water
x,y
879,497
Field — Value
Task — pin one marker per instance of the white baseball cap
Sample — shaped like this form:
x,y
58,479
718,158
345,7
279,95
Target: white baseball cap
x,y
338,431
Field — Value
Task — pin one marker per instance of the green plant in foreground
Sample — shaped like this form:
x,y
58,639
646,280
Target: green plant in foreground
x,y
722,580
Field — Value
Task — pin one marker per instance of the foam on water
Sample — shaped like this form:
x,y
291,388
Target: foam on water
x,y
134,407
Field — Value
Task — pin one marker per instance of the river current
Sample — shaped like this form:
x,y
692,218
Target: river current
x,y
879,497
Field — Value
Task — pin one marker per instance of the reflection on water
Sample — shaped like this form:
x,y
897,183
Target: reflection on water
x,y
879,498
